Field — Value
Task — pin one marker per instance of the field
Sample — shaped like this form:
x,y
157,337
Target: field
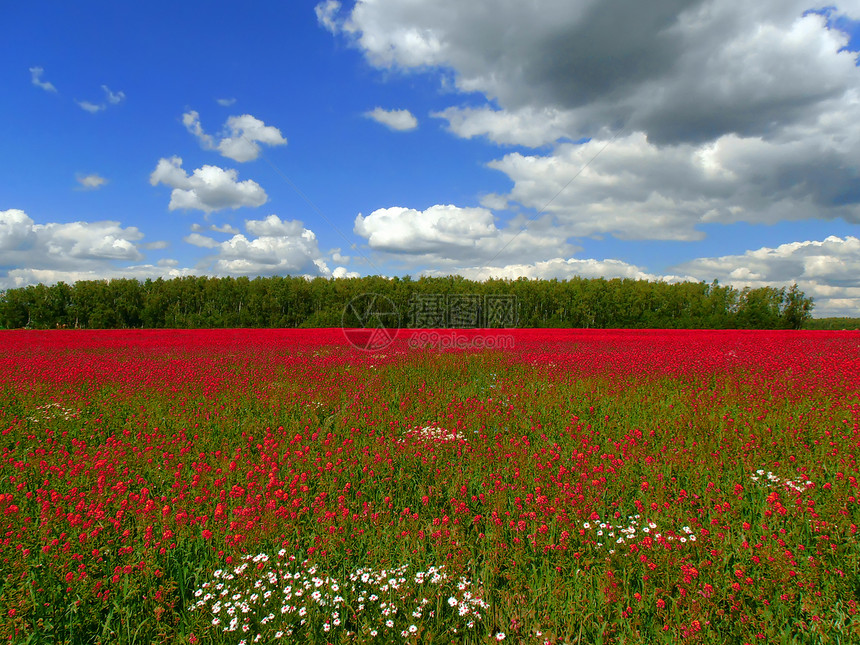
x,y
575,487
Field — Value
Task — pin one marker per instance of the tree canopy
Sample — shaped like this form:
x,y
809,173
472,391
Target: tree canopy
x,y
292,301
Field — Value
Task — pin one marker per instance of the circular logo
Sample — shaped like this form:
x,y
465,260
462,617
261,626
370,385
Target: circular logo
x,y
370,322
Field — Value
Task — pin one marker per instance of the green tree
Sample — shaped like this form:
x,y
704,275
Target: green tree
x,y
795,309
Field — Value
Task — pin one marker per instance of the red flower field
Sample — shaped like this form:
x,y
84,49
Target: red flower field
x,y
521,485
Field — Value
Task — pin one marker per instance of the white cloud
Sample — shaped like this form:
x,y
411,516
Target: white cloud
x,y
225,102
31,249
245,133
204,241
337,256
629,189
274,226
327,15
240,137
555,268
680,71
399,120
191,121
731,110
529,126
447,234
24,241
828,270
16,230
114,98
406,230
634,189
343,272
47,253
95,240
224,228
276,247
36,79
208,189
22,277
92,108
91,182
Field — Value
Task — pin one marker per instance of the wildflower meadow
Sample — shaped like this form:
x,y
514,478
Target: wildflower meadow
x,y
565,486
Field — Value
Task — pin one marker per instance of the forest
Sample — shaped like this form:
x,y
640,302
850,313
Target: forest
x,y
453,301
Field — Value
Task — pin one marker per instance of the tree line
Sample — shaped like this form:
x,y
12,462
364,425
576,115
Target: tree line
x,y
836,323
291,301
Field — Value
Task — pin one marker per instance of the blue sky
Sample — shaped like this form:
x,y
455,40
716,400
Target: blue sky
x,y
685,140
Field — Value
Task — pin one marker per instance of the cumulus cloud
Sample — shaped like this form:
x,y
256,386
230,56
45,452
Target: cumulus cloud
x,y
446,234
528,126
59,249
31,253
16,230
724,110
51,252
208,188
556,268
343,272
245,135
272,247
678,70
36,79
406,230
225,102
22,240
634,189
21,277
398,120
628,191
828,270
274,226
240,137
91,182
337,256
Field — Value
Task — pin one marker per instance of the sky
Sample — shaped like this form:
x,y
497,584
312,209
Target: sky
x,y
669,140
